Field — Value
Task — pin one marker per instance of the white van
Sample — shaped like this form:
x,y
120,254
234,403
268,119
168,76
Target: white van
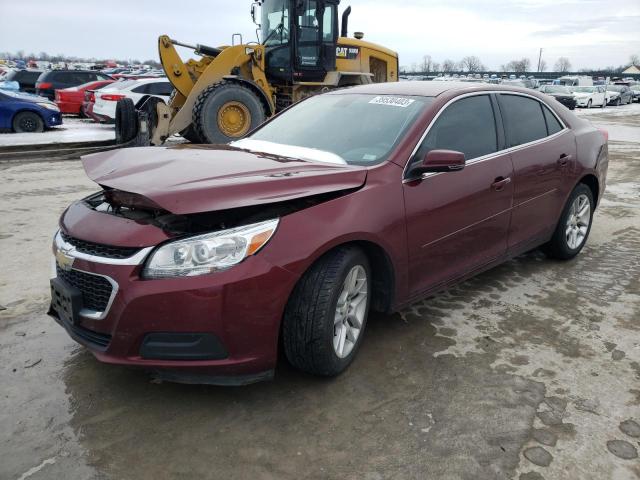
x,y
574,81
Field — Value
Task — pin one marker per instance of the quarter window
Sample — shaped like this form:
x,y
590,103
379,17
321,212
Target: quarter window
x,y
523,119
468,126
553,125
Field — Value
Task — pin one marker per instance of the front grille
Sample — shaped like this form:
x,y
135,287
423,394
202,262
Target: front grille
x,y
96,290
98,249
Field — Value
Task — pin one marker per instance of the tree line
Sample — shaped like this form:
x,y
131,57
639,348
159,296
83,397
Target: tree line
x,y
473,64
62,58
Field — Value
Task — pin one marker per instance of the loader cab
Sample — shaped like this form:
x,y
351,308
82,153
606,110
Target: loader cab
x,y
300,37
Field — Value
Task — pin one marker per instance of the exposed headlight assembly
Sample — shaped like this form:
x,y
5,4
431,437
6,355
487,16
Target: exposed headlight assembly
x,y
210,252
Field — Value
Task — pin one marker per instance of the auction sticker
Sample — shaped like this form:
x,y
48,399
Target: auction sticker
x,y
392,101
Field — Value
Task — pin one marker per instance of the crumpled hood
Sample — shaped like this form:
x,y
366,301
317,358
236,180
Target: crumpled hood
x,y
186,179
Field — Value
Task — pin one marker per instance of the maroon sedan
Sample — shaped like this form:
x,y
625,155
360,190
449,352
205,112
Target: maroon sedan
x,y
199,261
69,100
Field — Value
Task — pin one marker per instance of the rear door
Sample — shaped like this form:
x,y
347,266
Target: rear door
x,y
543,153
459,221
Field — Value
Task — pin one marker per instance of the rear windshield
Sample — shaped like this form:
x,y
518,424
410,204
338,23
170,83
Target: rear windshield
x,y
23,76
361,129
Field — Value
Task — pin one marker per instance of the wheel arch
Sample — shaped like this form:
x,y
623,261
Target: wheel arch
x,y
591,181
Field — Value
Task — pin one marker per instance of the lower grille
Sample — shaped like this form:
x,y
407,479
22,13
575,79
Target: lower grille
x,y
96,290
95,338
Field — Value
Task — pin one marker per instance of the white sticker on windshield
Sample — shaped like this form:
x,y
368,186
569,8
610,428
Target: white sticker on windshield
x,y
393,101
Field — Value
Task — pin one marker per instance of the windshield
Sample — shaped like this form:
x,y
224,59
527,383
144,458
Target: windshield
x,y
584,89
275,22
360,129
556,89
615,88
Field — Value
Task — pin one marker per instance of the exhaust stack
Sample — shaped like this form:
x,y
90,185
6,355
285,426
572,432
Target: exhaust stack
x,y
345,22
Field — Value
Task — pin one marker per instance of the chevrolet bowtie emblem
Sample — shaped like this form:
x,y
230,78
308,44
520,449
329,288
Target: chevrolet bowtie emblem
x,y
64,259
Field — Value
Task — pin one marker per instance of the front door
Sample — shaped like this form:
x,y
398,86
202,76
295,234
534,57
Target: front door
x,y
459,221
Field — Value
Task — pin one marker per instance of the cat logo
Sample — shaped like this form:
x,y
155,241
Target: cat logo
x,y
64,259
349,53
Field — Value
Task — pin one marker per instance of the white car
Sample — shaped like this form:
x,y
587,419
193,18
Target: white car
x,y
590,96
107,98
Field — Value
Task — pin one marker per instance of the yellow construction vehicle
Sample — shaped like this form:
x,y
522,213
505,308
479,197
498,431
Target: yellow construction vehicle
x,y
230,90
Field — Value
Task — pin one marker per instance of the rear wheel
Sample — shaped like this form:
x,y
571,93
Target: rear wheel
x,y
574,226
28,122
325,317
126,120
225,112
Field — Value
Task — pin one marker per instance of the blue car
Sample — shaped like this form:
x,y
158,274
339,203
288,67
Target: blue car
x,y
25,113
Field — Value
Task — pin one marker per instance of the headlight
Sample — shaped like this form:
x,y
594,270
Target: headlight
x,y
50,106
209,252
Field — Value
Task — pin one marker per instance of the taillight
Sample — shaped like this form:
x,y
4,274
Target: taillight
x,y
92,97
605,134
111,97
44,85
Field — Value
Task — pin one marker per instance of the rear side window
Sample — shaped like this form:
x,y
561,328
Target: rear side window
x,y
553,125
160,88
468,126
523,118
144,88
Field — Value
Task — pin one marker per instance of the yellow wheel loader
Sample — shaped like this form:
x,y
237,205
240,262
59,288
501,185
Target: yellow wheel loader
x,y
230,90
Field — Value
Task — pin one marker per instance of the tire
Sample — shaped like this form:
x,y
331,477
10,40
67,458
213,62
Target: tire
x,y
589,104
309,329
28,122
618,102
190,134
210,103
126,121
559,247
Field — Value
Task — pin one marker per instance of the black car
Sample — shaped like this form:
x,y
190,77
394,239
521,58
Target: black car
x,y
561,93
622,95
25,78
50,81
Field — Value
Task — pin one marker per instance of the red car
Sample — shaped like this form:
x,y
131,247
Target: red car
x,y
69,100
199,261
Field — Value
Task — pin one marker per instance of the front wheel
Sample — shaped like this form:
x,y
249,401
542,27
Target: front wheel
x,y
574,226
326,315
28,122
589,104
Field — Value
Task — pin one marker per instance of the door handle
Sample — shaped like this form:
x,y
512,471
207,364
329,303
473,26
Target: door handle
x,y
500,182
564,159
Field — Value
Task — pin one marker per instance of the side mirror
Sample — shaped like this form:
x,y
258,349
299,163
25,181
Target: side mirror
x,y
440,161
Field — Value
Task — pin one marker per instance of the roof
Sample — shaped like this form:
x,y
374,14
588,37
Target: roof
x,y
427,89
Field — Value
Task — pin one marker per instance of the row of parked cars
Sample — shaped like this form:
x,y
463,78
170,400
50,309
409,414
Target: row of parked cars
x,y
33,100
593,96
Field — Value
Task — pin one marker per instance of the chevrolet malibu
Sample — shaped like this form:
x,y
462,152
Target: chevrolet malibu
x,y
200,262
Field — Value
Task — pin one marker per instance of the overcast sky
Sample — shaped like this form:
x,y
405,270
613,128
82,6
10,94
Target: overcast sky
x,y
591,33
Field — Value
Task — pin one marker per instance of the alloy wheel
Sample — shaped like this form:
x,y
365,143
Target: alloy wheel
x,y
350,311
578,222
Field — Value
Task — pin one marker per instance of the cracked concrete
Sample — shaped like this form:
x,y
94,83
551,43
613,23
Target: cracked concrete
x,y
530,371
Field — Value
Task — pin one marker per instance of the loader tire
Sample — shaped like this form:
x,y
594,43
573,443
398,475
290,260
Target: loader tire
x,y
126,121
190,134
226,111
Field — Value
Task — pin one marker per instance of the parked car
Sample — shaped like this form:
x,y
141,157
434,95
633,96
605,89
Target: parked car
x,y
107,98
590,96
198,261
53,80
69,100
562,94
26,113
25,78
619,95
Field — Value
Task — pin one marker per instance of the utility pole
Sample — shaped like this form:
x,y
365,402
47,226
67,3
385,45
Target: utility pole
x,y
539,60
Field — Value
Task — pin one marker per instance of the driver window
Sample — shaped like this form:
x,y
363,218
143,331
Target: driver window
x,y
327,24
308,22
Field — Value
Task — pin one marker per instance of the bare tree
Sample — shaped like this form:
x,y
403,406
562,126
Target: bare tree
x,y
449,66
426,66
634,59
472,64
563,65
522,65
436,67
543,65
